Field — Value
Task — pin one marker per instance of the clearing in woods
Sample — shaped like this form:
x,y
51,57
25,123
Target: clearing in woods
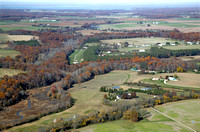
x,y
9,72
11,53
21,37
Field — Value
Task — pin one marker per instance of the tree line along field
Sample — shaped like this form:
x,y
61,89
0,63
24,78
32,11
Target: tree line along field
x,y
182,111
89,99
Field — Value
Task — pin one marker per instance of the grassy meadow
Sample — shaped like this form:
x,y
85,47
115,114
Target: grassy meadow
x,y
89,99
180,111
9,72
6,52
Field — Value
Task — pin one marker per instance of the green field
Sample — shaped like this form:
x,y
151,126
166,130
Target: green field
x,y
25,21
180,111
9,72
11,53
117,26
129,24
24,27
79,53
188,19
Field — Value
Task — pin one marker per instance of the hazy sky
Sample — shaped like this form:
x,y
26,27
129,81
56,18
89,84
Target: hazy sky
x,y
104,1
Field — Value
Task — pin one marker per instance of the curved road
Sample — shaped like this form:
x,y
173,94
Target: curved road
x,y
18,113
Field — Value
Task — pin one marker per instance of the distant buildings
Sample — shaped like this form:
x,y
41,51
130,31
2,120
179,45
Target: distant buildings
x,y
141,50
145,89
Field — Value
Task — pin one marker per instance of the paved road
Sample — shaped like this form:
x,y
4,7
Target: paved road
x,y
174,120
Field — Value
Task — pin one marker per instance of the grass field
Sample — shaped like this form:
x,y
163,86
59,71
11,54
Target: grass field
x,y
25,21
182,47
8,28
79,53
180,111
182,24
3,46
9,72
21,37
11,53
140,41
3,38
183,111
89,99
187,80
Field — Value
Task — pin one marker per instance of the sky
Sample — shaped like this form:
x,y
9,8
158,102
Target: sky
x,y
103,1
